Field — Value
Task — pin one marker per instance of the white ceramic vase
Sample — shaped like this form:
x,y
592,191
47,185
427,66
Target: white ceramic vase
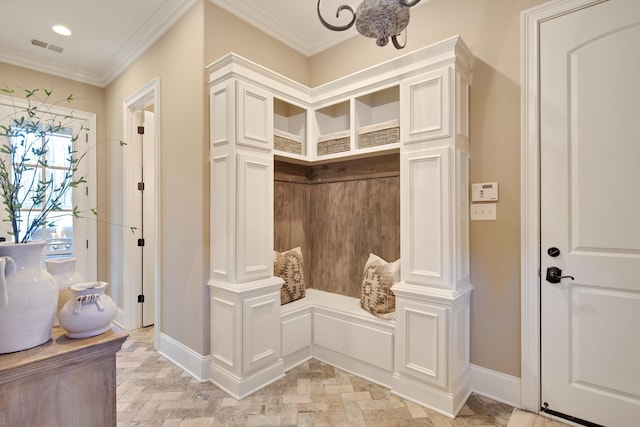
x,y
28,297
89,312
64,274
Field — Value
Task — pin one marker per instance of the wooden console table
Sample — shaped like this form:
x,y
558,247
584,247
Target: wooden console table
x,y
63,382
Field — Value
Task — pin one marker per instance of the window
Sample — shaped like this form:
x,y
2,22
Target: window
x,y
48,159
65,236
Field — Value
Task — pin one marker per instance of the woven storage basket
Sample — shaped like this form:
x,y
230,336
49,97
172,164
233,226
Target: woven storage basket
x,y
330,146
282,143
379,137
336,142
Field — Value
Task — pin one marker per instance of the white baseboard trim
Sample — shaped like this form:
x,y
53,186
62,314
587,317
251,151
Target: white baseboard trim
x,y
486,382
496,385
193,363
249,384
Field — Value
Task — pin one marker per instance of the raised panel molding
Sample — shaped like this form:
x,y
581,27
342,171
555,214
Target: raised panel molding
x,y
223,339
222,118
355,340
261,335
425,107
254,259
255,117
424,216
422,338
595,312
296,333
462,106
222,217
462,260
461,321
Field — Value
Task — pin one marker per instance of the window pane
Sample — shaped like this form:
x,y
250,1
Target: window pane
x,y
58,176
27,145
28,183
58,150
58,233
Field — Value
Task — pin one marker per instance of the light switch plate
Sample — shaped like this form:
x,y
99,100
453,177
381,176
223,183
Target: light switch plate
x,y
483,212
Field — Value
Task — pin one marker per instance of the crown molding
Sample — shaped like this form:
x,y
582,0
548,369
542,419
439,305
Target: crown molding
x,y
161,21
304,43
40,65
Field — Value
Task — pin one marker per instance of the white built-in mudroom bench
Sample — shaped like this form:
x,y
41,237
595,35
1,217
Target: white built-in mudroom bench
x,y
376,161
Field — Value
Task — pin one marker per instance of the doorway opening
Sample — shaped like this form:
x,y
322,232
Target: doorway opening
x,y
141,249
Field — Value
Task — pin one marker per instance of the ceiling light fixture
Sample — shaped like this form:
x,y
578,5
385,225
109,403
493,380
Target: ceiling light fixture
x,y
62,30
380,19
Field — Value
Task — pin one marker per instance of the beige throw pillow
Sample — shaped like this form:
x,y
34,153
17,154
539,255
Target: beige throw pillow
x,y
288,266
377,279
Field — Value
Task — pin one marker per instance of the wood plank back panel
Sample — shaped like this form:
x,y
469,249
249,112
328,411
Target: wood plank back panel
x,y
346,211
349,220
291,215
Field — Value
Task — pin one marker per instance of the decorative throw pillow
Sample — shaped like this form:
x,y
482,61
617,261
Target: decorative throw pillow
x,y
377,279
288,266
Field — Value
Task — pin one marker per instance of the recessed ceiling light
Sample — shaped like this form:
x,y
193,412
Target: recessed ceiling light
x,y
62,30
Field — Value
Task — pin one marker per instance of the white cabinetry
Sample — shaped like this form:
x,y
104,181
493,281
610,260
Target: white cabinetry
x,y
244,295
255,116
416,105
426,106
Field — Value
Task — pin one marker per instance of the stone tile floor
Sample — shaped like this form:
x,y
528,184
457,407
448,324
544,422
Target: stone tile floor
x,y
152,391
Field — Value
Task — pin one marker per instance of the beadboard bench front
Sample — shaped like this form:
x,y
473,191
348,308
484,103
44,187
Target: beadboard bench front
x,y
336,330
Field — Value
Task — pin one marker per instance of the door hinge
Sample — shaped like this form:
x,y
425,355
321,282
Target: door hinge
x,y
140,298
141,186
140,242
140,130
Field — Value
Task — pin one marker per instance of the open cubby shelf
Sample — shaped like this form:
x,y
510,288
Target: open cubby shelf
x,y
338,213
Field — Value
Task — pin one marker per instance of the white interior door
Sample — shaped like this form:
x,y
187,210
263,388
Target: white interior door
x,y
590,213
148,220
139,266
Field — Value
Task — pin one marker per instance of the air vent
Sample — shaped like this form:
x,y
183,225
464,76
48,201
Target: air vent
x,y
46,45
39,43
55,48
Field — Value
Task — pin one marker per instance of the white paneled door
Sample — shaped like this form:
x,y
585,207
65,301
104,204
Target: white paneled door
x,y
590,213
148,220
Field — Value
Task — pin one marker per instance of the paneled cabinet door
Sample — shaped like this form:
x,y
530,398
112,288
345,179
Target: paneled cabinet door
x,y
425,107
221,108
255,117
261,332
422,344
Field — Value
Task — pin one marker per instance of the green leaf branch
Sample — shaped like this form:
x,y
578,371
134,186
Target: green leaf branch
x,y
30,199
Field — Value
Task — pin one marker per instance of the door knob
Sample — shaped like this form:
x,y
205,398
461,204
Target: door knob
x,y
554,275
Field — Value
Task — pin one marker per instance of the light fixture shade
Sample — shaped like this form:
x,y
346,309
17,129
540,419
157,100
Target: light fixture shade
x,y
379,19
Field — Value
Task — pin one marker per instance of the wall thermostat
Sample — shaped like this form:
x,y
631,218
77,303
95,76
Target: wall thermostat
x,y
484,192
